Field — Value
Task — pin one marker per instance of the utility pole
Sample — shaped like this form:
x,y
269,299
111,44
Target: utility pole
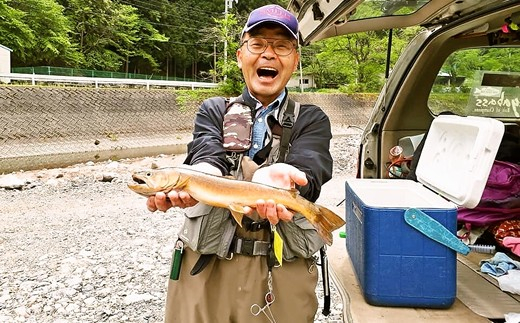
x,y
301,70
225,31
215,62
227,4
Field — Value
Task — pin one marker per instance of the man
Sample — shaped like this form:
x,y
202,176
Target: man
x,y
247,284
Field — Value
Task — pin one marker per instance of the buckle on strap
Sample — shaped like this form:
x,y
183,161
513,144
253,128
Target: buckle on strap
x,y
249,247
254,226
288,120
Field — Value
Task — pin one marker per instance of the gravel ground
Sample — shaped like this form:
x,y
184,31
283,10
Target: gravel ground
x,y
78,246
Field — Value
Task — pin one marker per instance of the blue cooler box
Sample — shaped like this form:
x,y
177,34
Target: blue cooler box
x,y
395,263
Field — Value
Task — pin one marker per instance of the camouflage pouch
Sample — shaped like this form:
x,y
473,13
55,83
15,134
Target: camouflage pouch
x,y
237,127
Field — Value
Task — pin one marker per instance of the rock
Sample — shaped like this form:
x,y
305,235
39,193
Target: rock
x,y
11,182
113,165
136,298
108,177
53,182
80,249
90,301
21,311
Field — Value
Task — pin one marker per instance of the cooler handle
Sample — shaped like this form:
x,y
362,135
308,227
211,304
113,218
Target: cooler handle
x,y
431,228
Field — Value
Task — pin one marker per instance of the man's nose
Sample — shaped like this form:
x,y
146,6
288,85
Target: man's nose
x,y
269,50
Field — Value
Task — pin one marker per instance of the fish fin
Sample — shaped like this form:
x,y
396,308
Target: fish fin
x,y
237,210
294,192
183,180
327,221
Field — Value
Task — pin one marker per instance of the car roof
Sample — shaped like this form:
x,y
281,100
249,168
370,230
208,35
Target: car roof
x,y
321,19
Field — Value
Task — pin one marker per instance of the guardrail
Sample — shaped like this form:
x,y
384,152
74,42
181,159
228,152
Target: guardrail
x,y
33,78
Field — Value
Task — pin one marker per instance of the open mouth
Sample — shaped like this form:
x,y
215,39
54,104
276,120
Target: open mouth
x,y
137,179
267,72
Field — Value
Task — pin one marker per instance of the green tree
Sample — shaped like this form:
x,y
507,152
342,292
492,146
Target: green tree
x,y
110,33
138,39
462,63
186,38
182,23
227,71
43,37
14,32
355,62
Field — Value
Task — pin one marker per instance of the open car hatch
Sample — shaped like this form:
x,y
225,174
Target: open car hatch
x,y
321,19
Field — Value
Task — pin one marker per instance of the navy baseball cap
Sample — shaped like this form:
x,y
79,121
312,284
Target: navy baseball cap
x,y
275,14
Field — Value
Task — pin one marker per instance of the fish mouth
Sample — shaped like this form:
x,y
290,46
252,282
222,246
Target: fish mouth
x,y
140,185
138,179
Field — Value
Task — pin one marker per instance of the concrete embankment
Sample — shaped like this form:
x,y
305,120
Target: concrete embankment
x,y
45,127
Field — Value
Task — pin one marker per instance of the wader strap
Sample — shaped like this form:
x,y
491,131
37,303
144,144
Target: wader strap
x,y
281,128
287,124
249,247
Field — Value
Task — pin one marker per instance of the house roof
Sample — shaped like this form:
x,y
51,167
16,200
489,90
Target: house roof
x,y
4,47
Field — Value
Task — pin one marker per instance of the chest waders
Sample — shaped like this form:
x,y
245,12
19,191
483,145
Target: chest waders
x,y
283,131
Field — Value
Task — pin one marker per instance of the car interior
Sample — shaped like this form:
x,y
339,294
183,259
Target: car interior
x,y
408,115
463,62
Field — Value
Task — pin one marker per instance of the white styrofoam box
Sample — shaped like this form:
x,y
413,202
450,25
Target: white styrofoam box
x,y
397,193
457,157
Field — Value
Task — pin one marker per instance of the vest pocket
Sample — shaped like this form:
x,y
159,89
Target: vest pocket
x,y
208,229
301,240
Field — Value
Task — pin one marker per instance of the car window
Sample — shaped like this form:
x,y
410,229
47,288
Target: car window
x,y
377,8
479,82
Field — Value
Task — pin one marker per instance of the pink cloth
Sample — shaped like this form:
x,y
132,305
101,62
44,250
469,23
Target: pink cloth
x,y
512,243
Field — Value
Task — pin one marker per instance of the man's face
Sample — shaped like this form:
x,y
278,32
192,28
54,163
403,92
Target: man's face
x,y
267,74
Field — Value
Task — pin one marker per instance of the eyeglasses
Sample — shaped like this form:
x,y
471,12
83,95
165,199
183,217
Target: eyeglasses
x,y
282,47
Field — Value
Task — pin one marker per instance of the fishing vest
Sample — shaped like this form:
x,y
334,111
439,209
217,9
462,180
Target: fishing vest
x,y
210,230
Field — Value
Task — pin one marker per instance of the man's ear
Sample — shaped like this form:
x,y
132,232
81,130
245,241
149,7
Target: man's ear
x,y
239,57
296,60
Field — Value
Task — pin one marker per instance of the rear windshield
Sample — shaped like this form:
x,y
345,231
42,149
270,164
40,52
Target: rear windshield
x,y
379,8
479,82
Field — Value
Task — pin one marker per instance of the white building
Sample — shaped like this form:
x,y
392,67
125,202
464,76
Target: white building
x,y
306,82
5,62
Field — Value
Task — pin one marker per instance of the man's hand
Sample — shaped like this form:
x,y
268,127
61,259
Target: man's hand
x,y
282,176
178,198
160,202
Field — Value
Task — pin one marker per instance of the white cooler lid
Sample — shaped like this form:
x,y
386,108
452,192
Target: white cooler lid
x,y
458,155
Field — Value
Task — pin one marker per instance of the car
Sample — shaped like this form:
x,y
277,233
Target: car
x,y
464,61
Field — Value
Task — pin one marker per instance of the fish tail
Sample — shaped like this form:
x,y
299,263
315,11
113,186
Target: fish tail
x,y
327,221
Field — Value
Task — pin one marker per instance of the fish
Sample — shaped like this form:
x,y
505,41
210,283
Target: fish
x,y
227,192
